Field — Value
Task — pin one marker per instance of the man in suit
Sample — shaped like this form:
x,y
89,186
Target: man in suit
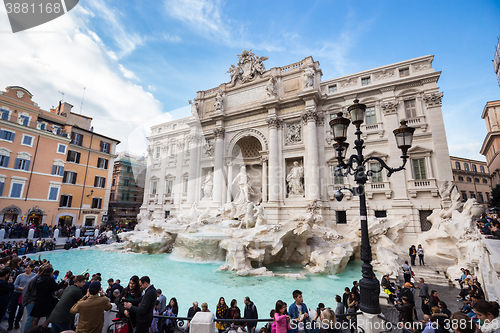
x,y
144,311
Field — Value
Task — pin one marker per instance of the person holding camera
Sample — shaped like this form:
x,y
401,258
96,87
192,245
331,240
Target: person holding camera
x,y
405,309
91,309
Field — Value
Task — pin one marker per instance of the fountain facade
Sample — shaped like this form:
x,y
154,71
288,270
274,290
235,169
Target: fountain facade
x,y
249,177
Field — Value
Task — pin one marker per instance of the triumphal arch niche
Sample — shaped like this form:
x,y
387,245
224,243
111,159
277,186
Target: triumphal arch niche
x,y
264,136
264,126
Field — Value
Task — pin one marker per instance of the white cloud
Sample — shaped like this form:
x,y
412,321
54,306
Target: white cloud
x,y
128,73
202,16
68,58
126,41
467,150
151,88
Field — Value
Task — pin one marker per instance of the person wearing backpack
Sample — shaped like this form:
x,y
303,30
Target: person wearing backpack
x,y
250,312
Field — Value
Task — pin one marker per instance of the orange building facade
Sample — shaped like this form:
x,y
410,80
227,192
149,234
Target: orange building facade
x,y
53,168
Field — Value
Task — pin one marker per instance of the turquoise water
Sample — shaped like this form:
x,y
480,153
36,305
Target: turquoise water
x,y
202,282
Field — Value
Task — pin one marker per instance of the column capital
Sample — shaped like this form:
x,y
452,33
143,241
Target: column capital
x,y
310,115
219,133
320,118
390,106
433,100
274,122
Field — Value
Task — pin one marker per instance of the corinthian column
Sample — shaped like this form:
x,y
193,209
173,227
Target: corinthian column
x,y
311,165
194,163
264,178
274,179
219,183
320,123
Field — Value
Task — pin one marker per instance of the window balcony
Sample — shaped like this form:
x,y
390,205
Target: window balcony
x,y
422,185
382,187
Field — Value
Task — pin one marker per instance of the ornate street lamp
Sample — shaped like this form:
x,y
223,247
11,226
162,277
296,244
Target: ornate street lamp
x,y
355,165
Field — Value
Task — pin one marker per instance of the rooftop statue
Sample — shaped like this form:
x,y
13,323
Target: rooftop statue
x,y
249,66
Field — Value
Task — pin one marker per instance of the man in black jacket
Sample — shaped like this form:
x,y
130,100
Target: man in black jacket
x,y
145,309
250,313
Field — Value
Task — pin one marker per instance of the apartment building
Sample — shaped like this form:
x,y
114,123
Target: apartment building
x,y
471,178
53,167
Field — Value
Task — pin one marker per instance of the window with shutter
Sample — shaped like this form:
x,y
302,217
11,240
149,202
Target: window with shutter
x,y
7,135
5,114
376,177
419,170
2,185
53,192
16,190
4,161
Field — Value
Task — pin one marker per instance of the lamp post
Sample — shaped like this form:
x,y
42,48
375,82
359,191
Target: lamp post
x,y
355,165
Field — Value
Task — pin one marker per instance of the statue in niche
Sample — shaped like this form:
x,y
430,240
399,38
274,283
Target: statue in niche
x,y
309,77
271,86
218,101
294,181
208,186
243,181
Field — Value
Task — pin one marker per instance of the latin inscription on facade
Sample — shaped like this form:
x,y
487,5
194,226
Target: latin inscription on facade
x,y
246,97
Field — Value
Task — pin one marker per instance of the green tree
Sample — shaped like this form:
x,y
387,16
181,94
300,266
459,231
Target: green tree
x,y
495,197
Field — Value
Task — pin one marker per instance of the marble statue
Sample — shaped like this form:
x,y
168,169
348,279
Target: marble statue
x,y
194,108
259,65
271,86
234,72
208,186
249,218
244,187
218,101
309,77
294,180
249,67
260,215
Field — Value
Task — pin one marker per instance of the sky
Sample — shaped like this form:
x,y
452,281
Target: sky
x,y
139,62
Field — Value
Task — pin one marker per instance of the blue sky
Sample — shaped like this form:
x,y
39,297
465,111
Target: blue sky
x,y
141,61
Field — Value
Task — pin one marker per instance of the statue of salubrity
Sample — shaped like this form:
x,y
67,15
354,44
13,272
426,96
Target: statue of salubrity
x,y
208,186
294,180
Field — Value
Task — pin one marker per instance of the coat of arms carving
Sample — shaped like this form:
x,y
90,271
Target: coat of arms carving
x,y
249,66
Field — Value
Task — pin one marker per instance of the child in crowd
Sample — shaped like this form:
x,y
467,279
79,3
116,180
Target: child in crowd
x,y
298,313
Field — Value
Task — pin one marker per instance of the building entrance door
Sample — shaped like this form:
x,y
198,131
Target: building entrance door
x,y
89,221
66,220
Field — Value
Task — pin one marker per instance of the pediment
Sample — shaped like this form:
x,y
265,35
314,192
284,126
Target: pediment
x,y
419,150
375,153
154,178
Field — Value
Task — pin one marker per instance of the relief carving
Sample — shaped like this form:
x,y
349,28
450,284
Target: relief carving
x,y
293,133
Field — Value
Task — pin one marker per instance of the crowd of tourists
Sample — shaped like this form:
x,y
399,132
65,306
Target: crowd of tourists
x,y
489,226
476,314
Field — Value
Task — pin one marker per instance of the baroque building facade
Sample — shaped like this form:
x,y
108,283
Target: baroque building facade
x,y
271,127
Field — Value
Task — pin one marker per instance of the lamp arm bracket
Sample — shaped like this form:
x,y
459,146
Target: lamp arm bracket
x,y
383,165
